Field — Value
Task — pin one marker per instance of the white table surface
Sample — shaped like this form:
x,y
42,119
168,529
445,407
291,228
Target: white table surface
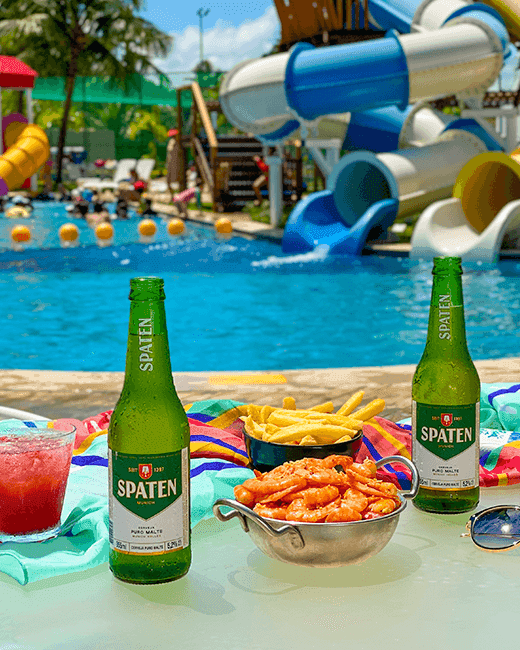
x,y
428,589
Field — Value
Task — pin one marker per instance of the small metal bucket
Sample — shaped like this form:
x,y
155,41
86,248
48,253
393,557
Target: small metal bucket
x,y
323,544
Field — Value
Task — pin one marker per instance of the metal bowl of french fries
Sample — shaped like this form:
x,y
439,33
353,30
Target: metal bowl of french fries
x,y
275,435
327,543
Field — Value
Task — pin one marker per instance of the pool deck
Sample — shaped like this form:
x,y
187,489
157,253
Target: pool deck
x,y
79,395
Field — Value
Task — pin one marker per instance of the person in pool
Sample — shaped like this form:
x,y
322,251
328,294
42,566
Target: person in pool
x,y
146,208
99,215
121,209
79,209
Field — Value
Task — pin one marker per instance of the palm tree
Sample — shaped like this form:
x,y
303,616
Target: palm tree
x,y
72,38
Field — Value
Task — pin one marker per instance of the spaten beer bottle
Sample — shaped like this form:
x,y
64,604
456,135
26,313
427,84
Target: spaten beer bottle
x,y
148,441
445,402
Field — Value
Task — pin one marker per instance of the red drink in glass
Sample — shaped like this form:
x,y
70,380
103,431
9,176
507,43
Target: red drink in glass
x,y
34,468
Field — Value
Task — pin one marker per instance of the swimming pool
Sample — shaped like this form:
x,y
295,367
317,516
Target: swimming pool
x,y
241,305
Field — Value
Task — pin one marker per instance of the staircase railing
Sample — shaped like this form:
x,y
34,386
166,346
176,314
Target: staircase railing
x,y
199,112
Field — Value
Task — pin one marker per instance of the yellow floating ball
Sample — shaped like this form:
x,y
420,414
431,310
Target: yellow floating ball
x,y
20,234
176,226
69,232
147,228
223,226
104,231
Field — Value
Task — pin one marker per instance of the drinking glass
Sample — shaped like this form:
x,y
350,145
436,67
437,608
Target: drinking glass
x,y
34,469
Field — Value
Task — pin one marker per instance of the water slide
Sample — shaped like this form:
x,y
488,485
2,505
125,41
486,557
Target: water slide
x,y
433,48
484,207
26,149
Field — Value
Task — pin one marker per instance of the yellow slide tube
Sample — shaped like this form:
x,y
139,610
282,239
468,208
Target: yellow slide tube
x,y
27,150
510,12
486,184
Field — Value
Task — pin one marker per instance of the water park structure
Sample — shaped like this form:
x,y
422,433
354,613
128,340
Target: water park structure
x,y
371,100
24,146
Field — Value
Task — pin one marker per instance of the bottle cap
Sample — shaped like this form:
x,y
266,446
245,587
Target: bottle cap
x,y
147,288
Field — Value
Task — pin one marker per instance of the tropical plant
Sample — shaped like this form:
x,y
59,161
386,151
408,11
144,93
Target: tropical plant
x,y
72,38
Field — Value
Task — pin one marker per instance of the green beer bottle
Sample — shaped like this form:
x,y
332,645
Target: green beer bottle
x,y
148,447
445,402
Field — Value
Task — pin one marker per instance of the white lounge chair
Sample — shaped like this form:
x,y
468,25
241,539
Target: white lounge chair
x,y
7,413
122,172
144,168
443,229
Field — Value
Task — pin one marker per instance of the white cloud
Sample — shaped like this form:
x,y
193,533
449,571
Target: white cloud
x,y
224,44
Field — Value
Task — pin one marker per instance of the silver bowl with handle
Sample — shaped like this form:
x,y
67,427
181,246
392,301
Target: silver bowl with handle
x,y
321,544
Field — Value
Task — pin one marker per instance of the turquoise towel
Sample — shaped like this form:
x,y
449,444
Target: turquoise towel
x,y
83,542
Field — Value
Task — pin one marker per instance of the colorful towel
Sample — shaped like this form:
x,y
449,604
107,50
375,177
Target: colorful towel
x,y
499,436
218,459
217,466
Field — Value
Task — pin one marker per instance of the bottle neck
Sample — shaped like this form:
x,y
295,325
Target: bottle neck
x,y
148,364
446,326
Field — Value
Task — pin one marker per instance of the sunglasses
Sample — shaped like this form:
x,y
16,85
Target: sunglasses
x,y
495,529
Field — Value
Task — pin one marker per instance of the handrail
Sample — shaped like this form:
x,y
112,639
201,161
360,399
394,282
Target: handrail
x,y
206,170
203,110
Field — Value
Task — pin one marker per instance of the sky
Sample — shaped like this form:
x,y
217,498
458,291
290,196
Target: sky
x,y
232,32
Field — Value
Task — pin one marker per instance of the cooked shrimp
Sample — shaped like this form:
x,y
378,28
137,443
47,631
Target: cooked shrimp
x,y
382,506
366,468
327,477
262,487
298,511
298,485
243,495
317,497
372,491
343,513
355,499
333,461
272,511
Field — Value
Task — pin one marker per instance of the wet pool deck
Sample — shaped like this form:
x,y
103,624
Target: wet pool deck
x,y
56,394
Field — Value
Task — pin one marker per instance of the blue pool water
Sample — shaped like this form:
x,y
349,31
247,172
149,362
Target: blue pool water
x,y
240,305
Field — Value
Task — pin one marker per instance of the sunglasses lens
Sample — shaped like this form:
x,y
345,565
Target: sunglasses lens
x,y
497,529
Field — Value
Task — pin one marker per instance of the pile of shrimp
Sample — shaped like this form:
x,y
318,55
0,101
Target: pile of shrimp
x,y
315,490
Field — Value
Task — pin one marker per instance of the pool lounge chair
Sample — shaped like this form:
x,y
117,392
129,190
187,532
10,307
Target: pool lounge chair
x,y
122,172
144,168
7,413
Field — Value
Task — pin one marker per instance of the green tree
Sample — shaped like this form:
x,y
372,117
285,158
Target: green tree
x,y
72,38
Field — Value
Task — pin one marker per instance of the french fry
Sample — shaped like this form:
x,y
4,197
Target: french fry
x,y
265,412
345,438
254,429
352,403
321,432
338,420
254,411
372,408
326,407
282,420
289,403
308,440
270,429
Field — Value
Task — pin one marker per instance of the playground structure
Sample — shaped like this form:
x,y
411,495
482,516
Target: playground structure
x,y
405,156
24,147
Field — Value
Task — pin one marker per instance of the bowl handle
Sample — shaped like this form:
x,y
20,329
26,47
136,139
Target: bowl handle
x,y
411,466
243,513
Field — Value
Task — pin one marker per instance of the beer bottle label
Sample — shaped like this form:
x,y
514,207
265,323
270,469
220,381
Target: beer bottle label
x,y
445,445
149,507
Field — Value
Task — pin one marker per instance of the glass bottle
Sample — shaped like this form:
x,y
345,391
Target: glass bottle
x,y
148,446
445,402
